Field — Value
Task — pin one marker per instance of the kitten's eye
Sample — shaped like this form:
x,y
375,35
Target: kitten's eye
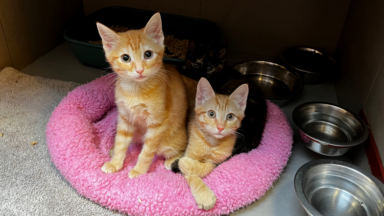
x,y
229,116
211,114
209,68
148,54
125,58
196,65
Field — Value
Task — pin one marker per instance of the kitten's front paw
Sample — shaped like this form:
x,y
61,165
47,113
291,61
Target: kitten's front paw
x,y
185,164
108,168
205,199
133,174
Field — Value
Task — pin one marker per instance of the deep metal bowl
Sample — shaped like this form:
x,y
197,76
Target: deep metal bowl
x,y
312,65
331,187
328,129
277,83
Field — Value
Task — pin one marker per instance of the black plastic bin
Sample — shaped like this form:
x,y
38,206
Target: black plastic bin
x,y
92,55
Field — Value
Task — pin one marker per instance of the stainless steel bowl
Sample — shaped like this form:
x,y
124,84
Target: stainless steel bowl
x,y
328,129
278,84
331,187
312,65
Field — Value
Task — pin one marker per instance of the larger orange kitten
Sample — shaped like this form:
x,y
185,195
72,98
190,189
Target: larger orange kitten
x,y
212,136
150,97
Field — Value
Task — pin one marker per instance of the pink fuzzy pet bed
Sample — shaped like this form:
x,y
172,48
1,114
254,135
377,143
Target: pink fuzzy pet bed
x,y
81,131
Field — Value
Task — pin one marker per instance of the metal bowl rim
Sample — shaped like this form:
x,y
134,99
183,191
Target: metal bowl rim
x,y
306,71
300,174
359,141
335,154
300,86
261,61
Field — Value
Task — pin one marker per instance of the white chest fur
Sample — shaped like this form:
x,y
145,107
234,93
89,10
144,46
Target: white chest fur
x,y
133,110
136,106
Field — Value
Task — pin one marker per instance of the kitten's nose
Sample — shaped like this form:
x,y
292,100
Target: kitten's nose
x,y
220,128
140,70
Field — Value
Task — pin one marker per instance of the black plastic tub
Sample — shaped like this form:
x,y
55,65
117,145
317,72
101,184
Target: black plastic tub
x,y
92,55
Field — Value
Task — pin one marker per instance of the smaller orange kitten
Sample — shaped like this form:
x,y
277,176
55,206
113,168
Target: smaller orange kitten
x,y
212,136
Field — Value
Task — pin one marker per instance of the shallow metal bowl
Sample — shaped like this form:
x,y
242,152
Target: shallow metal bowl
x,y
312,65
328,129
331,187
277,83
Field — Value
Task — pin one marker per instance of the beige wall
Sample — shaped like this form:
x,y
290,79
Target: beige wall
x,y
257,28
33,28
374,108
5,57
189,8
360,52
361,55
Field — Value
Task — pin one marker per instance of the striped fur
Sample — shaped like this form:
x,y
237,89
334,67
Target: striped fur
x,y
207,145
150,97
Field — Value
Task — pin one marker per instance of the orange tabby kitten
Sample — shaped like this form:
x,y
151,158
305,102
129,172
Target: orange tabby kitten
x,y
150,97
212,136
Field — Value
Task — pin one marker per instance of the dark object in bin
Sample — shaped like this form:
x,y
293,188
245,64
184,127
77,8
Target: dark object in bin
x,y
174,48
312,65
92,55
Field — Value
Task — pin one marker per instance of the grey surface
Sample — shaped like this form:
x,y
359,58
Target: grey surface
x,y
29,182
279,200
61,64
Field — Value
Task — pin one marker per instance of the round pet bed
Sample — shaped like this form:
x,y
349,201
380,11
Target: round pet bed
x,y
82,129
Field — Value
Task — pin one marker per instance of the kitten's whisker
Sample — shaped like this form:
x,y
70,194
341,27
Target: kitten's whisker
x,y
112,81
241,136
163,78
125,79
112,78
106,68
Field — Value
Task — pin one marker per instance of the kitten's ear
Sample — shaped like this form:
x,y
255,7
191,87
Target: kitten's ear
x,y
154,29
109,37
204,92
240,95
